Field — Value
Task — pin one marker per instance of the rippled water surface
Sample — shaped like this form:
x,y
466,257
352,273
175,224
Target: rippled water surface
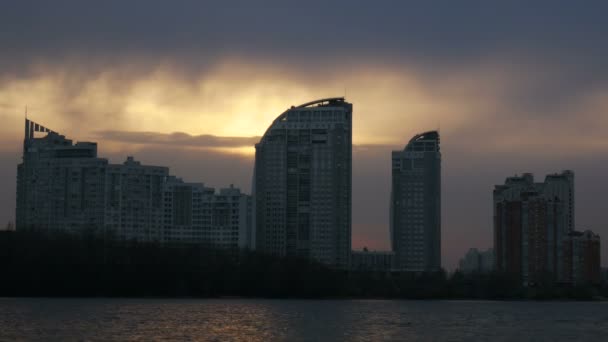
x,y
299,320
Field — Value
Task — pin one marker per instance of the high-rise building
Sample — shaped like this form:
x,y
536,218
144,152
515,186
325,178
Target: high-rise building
x,y
561,185
582,258
415,210
134,200
60,185
195,213
64,186
302,183
531,221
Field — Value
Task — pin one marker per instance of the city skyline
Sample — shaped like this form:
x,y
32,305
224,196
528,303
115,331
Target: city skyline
x,y
450,265
525,93
303,170
313,131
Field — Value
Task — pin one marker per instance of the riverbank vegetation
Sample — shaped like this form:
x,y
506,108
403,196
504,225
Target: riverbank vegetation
x,y
33,263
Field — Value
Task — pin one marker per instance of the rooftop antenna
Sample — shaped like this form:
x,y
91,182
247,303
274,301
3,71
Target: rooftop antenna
x,y
26,111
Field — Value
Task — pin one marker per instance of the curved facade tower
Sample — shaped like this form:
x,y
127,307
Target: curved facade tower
x,y
415,212
302,183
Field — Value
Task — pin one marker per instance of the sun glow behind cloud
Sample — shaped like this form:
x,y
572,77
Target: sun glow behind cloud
x,y
232,99
241,99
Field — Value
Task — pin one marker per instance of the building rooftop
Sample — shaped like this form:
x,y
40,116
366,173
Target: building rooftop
x,y
430,135
330,101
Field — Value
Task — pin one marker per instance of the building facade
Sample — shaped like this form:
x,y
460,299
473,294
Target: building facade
x,y
534,236
133,208
60,184
195,213
302,183
372,261
582,258
529,226
415,208
476,261
561,186
604,275
63,185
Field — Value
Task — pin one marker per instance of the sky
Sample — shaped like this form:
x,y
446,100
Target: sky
x,y
513,87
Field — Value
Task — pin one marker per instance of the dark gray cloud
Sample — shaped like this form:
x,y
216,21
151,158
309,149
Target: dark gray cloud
x,y
198,32
556,48
177,138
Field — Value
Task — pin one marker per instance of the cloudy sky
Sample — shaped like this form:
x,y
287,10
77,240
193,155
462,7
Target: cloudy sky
x,y
513,87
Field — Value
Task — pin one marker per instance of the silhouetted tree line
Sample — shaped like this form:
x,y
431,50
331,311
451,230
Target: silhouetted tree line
x,y
36,263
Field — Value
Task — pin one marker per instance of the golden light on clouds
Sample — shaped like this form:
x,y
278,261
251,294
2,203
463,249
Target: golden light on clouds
x,y
246,151
237,99
231,100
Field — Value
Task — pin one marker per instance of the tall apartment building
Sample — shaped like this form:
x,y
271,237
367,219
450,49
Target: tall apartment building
x,y
133,208
415,209
302,183
195,213
582,258
561,185
534,227
60,185
65,186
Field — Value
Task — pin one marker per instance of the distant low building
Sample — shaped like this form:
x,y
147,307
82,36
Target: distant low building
x,y
604,275
476,261
372,261
9,227
195,213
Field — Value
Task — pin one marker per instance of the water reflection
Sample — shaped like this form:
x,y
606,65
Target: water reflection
x,y
298,320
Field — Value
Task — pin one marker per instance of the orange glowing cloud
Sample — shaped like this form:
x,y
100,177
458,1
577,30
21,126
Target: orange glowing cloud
x,y
237,99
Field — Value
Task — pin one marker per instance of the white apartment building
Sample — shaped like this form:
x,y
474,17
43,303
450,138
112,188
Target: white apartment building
x,y
195,213
302,183
63,185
